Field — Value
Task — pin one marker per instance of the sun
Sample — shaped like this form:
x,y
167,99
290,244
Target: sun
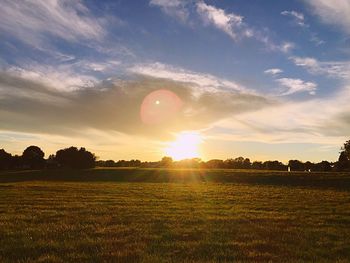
x,y
185,146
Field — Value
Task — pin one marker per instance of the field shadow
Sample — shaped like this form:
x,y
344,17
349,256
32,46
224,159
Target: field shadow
x,y
159,175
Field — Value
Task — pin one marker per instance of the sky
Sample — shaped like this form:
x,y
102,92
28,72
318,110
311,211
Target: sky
x,y
261,79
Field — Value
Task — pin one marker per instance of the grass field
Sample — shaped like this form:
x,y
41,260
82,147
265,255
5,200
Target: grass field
x,y
160,215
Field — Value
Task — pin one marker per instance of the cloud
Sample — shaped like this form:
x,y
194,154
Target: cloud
x,y
60,77
335,12
30,106
284,47
315,39
299,20
230,23
323,121
273,71
33,21
233,25
204,82
175,8
334,69
297,16
297,85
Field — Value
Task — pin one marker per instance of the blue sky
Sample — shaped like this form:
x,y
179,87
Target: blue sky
x,y
264,79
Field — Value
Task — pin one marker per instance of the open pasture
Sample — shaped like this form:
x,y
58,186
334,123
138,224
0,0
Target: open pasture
x,y
159,215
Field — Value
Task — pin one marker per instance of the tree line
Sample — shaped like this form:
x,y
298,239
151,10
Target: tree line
x,y
343,164
33,158
79,158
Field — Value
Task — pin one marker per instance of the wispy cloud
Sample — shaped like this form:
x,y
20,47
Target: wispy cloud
x,y
335,12
299,20
273,71
175,8
204,82
230,23
33,21
63,78
298,17
297,85
334,69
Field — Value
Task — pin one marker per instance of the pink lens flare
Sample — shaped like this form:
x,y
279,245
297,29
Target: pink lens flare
x,y
159,106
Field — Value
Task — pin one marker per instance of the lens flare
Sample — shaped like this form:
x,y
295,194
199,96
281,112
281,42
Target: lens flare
x,y
159,106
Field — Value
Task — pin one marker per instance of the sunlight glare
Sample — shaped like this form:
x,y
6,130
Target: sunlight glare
x,y
186,146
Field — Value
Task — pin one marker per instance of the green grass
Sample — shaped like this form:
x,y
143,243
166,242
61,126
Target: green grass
x,y
159,215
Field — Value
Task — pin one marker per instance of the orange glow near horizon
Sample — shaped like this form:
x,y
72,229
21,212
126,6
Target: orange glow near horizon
x,y
185,146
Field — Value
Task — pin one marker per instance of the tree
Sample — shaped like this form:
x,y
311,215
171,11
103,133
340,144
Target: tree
x,y
33,157
323,166
344,157
296,165
274,165
5,160
76,159
257,165
166,162
346,149
215,163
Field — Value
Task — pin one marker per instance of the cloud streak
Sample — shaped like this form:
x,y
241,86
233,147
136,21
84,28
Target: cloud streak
x,y
204,82
335,12
273,71
297,85
175,8
298,17
33,21
230,23
112,106
334,69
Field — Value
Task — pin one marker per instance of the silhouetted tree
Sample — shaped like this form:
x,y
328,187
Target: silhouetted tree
x,y
33,157
74,158
51,162
274,165
257,165
17,162
343,162
5,160
296,165
344,157
246,163
110,163
166,162
215,163
188,163
323,166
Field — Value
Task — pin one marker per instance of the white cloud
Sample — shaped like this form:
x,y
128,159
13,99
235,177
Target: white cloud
x,y
229,23
335,12
32,21
315,39
175,8
318,121
206,82
334,69
63,78
273,71
297,85
297,16
286,47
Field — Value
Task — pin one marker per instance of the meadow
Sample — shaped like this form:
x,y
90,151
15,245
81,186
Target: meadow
x,y
174,215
